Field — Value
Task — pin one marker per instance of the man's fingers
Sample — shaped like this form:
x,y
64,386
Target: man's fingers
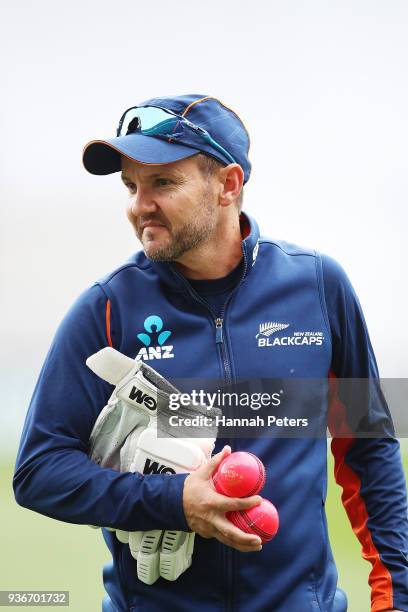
x,y
226,504
234,534
230,535
215,461
239,547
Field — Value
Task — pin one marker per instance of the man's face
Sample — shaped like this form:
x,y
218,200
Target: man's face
x,y
172,207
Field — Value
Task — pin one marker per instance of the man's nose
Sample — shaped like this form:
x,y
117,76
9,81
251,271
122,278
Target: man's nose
x,y
143,201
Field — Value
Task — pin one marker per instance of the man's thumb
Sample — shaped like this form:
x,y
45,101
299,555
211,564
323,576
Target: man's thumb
x,y
215,461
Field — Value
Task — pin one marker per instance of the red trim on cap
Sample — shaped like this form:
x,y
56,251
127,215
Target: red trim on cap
x,y
133,159
186,110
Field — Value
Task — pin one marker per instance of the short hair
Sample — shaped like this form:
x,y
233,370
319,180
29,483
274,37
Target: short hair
x,y
209,166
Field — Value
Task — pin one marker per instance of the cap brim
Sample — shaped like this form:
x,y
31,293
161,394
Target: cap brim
x,y
104,156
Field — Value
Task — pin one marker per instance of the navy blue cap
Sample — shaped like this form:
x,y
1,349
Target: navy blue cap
x,y
223,125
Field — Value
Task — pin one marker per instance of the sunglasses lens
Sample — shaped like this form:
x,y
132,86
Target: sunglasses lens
x,y
151,120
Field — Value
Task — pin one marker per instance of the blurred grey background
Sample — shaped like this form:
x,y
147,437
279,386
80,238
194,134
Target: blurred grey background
x,y
321,86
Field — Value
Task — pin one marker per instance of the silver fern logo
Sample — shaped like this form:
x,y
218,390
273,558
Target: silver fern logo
x,y
269,328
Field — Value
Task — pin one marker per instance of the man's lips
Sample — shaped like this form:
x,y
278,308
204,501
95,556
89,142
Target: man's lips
x,y
150,224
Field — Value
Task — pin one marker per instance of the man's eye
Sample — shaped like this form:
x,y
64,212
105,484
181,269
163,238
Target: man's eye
x,y
163,182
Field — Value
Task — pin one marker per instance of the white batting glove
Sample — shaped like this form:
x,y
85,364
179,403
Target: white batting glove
x,y
124,437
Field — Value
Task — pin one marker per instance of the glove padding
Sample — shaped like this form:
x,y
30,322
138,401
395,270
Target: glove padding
x,y
124,437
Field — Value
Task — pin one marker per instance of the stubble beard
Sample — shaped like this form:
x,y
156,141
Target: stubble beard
x,y
187,237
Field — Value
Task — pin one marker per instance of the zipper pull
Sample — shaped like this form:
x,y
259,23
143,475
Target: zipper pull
x,y
218,331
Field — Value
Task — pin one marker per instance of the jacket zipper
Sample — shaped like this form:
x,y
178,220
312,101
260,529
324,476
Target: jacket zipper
x,y
230,554
218,320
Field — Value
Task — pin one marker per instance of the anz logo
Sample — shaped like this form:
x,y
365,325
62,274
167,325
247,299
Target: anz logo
x,y
154,338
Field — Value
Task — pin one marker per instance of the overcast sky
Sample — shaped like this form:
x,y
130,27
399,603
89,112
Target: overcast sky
x,y
321,86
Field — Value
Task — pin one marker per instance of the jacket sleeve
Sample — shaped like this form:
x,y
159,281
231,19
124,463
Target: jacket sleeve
x,y
367,455
53,474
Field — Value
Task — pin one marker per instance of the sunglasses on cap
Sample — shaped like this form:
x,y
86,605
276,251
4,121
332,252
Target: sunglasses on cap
x,y
162,123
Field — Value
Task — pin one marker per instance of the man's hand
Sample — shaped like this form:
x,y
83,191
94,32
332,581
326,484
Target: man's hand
x,y
205,509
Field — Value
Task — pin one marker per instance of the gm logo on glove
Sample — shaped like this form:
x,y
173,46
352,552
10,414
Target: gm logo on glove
x,y
152,467
138,397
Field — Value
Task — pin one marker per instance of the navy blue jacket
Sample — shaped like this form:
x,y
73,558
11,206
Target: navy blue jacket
x,y
295,572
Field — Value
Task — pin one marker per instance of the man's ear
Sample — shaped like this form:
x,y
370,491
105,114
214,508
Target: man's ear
x,y
231,182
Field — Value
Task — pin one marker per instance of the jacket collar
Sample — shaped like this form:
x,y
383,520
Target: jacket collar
x,y
169,274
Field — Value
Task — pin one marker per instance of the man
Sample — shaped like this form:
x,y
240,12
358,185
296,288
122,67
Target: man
x,y
211,283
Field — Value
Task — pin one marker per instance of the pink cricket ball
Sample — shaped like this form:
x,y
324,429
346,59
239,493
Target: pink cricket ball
x,y
240,474
262,520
